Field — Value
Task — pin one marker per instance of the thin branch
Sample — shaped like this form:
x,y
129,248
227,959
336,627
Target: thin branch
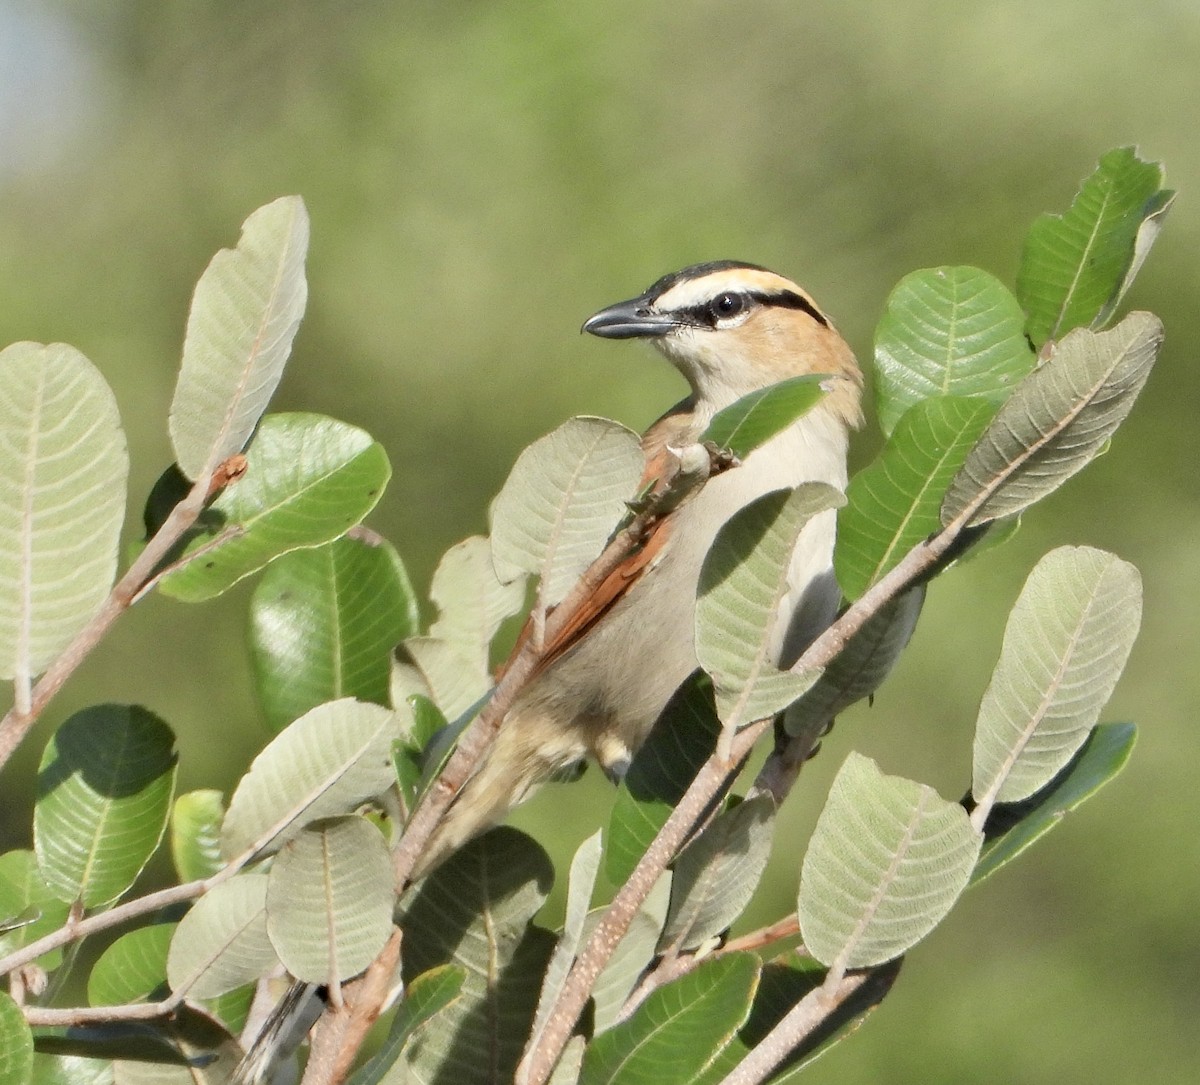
x,y
794,1028
21,718
102,921
77,928
340,1034
77,1016
714,776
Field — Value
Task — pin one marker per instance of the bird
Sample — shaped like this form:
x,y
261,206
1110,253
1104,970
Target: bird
x,y
731,328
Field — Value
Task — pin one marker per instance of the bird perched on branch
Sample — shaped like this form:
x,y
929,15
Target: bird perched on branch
x,y
730,328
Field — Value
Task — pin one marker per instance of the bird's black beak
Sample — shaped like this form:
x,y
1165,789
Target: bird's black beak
x,y
630,320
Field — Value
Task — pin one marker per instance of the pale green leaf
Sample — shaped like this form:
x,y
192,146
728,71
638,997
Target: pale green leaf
x,y
327,763
324,622
470,599
1065,645
330,894
581,880
894,503
28,909
743,584
309,479
683,1025
196,834
63,471
948,331
565,495
424,998
860,667
1101,757
222,942
104,795
1076,265
455,680
245,312
474,911
133,968
718,872
756,418
1056,421
16,1043
886,862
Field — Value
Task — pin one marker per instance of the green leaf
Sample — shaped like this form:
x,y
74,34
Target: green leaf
x,y
1065,645
63,471
566,494
408,753
331,760
886,862
471,601
424,998
222,942
1077,265
245,312
1101,757
27,903
69,1070
743,583
329,899
948,331
581,880
324,622
682,739
1057,420
756,418
684,1025
104,794
895,502
474,911
16,1043
196,834
308,480
860,667
455,680
718,872
785,981
133,968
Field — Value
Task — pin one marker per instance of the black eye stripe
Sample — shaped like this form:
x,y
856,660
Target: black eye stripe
x,y
705,315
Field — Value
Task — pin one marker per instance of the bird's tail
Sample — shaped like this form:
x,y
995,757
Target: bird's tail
x,y
530,749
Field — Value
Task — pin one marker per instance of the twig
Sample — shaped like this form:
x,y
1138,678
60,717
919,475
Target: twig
x,y
676,966
71,932
77,927
795,1026
78,1016
339,1035
713,777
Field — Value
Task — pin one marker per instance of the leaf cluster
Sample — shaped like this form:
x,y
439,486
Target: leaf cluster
x,y
989,400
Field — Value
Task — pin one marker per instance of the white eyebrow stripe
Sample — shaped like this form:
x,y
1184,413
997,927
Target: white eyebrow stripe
x,y
692,292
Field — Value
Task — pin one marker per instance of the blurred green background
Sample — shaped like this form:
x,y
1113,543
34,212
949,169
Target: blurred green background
x,y
481,177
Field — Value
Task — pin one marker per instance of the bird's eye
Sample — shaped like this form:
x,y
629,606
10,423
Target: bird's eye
x,y
727,305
